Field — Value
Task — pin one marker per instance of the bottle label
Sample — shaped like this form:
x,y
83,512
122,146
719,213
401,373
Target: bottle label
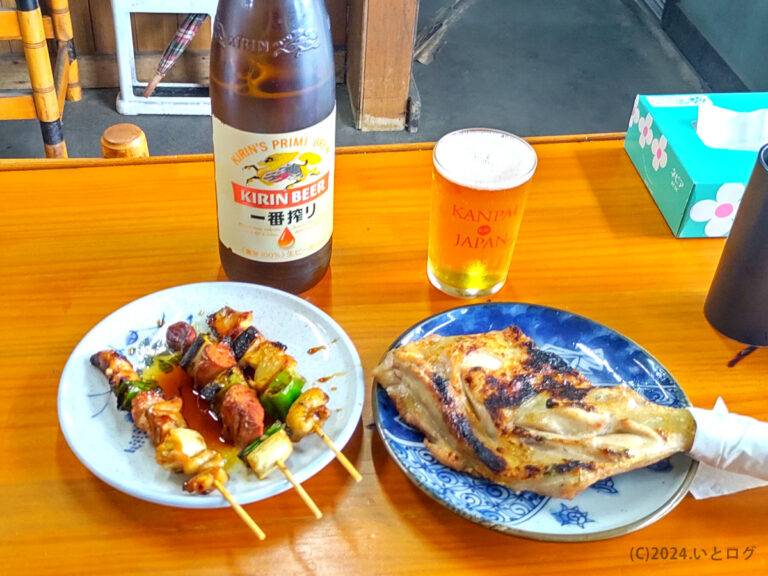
x,y
293,43
274,192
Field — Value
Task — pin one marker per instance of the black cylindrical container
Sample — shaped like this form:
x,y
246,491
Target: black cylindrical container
x,y
737,303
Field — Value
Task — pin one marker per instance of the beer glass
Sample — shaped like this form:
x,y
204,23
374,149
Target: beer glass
x,y
479,191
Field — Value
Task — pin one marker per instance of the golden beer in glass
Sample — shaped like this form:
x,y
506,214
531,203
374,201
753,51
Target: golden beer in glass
x,y
479,191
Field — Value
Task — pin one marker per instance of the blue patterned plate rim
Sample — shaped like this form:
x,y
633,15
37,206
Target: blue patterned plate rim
x,y
379,396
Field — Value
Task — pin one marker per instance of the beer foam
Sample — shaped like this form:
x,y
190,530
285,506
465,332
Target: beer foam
x,y
485,159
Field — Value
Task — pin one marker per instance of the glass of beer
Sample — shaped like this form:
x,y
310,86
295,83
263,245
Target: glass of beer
x,y
479,186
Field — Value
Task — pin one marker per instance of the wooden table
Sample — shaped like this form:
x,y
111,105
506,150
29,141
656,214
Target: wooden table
x,y
82,239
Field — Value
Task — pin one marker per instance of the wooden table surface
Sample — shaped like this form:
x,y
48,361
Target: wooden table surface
x,y
81,239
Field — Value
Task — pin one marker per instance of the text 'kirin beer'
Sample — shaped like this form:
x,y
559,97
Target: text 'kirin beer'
x,y
273,102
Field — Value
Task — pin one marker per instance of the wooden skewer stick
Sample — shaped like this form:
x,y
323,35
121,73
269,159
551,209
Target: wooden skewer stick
x,y
342,459
239,510
303,493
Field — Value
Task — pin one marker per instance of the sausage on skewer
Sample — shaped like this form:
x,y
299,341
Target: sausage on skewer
x,y
276,378
218,380
233,399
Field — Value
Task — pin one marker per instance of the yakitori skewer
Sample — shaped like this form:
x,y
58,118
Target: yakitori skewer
x,y
270,452
339,456
239,511
218,379
300,490
306,415
276,377
178,448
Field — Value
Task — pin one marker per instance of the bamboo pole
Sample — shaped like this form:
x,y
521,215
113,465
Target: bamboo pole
x,y
41,77
62,26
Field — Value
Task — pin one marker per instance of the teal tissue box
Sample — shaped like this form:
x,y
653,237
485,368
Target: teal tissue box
x,y
696,187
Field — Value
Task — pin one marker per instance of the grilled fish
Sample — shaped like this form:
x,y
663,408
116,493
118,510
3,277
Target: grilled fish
x,y
497,406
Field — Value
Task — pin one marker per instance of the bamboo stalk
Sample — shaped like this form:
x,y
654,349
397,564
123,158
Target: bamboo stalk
x,y
62,25
41,77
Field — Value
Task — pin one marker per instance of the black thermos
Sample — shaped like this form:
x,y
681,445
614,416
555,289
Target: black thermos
x,y
737,303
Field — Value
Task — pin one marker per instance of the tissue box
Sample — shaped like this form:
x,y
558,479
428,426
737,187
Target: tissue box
x,y
697,188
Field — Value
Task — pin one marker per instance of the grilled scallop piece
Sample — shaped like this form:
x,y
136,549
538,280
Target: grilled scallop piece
x,y
497,406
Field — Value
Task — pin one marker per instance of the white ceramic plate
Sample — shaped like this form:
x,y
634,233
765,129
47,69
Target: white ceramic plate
x,y
610,507
109,445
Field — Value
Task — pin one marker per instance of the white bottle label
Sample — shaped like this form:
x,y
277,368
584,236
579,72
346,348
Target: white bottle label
x,y
275,191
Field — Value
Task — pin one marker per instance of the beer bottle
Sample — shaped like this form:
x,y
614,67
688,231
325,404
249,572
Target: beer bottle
x,y
272,87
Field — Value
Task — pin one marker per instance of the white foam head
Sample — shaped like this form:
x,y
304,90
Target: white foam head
x,y
484,158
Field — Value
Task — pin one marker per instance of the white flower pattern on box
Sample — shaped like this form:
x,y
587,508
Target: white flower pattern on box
x,y
646,132
719,213
634,118
659,151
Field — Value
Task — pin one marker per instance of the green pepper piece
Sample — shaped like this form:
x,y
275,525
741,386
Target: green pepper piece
x,y
281,393
127,389
276,427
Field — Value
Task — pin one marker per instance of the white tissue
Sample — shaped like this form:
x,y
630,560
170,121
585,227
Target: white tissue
x,y
732,451
722,128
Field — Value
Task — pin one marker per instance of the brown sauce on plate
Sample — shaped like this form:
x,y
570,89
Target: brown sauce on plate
x,y
196,411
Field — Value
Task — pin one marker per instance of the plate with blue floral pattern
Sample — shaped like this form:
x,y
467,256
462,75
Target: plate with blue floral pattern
x,y
611,507
109,445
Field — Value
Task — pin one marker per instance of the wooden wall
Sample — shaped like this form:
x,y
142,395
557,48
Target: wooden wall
x,y
95,43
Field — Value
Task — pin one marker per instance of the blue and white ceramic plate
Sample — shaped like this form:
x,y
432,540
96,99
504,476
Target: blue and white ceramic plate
x,y
609,508
109,445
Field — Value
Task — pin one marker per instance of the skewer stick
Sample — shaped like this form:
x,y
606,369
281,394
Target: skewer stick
x,y
303,493
239,510
342,459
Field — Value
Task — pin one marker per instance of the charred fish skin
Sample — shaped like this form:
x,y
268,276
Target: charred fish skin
x,y
461,427
496,406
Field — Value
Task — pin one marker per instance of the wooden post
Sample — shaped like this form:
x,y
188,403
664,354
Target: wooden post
x,y
379,55
41,77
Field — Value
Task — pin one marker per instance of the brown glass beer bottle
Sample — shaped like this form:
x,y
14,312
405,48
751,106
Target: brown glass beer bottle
x,y
272,89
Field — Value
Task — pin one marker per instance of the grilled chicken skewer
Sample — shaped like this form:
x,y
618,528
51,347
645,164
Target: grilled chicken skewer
x,y
307,415
221,382
277,378
270,452
178,448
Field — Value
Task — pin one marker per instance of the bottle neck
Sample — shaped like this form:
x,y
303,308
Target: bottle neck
x,y
272,64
